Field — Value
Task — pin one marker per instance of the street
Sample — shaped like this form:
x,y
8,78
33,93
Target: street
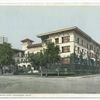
x,y
36,84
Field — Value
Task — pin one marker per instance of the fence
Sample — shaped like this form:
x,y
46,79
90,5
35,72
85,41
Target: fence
x,y
65,69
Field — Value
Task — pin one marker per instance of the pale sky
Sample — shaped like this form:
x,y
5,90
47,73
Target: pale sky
x,y
19,22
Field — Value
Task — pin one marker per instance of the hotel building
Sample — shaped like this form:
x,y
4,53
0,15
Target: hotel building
x,y
69,40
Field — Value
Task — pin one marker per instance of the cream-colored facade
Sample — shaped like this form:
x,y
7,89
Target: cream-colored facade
x,y
69,40
34,49
53,38
78,42
29,47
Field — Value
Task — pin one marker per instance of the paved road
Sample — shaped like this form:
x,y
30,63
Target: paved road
x,y
32,84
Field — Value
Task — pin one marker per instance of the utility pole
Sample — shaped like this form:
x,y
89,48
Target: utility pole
x,y
3,39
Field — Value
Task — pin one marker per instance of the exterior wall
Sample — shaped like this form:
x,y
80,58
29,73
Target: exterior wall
x,y
33,50
25,44
74,45
60,44
23,61
24,64
17,56
86,50
84,45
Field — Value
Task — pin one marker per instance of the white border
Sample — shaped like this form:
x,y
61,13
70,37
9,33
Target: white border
x,y
50,95
49,3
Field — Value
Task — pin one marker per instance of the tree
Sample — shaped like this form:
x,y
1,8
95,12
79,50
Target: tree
x,y
81,57
73,58
50,55
35,60
6,55
47,56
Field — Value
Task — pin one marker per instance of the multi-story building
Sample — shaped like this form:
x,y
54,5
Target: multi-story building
x,y
29,47
18,55
70,40
21,56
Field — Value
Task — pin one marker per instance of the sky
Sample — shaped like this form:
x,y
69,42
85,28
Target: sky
x,y
20,22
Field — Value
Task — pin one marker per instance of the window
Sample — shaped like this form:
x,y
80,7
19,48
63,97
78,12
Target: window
x,y
17,61
97,50
92,55
57,40
82,51
91,47
65,49
49,40
75,47
94,49
87,46
78,50
66,60
21,60
87,53
20,54
65,39
82,42
78,40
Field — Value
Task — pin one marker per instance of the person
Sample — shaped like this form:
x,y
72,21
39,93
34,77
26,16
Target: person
x,y
1,67
40,68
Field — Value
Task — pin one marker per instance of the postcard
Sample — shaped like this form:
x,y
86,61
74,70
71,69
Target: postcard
x,y
49,49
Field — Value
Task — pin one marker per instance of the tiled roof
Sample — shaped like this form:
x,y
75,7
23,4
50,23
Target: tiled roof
x,y
79,31
56,31
25,40
17,50
35,45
